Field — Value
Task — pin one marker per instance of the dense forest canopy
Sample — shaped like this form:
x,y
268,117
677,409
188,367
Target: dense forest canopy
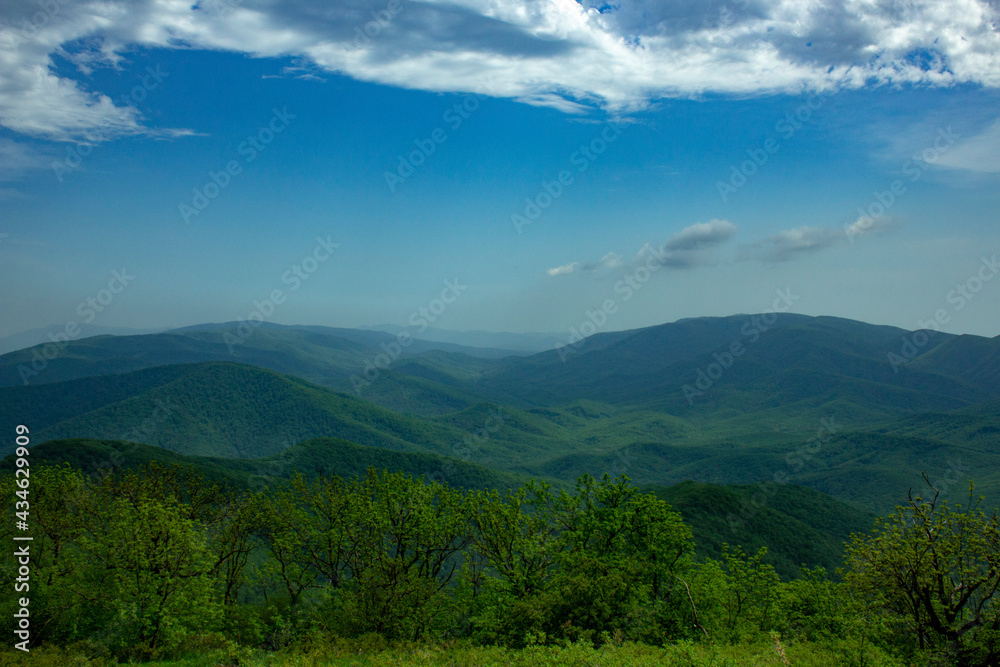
x,y
141,563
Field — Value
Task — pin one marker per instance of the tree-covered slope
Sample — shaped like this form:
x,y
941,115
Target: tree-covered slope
x,y
346,360
319,456
799,526
217,409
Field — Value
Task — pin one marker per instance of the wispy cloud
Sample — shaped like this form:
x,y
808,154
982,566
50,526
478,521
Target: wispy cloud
x,y
563,270
686,249
17,158
701,236
980,153
866,225
7,194
792,243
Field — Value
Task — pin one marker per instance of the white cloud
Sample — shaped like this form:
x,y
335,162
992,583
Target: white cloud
x,y
865,225
563,270
551,52
611,260
979,153
687,249
701,235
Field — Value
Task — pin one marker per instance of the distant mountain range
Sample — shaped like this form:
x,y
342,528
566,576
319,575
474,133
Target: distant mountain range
x,y
854,410
482,343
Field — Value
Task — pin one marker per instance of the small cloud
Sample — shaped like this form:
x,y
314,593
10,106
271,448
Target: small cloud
x,y
174,133
555,102
563,270
701,235
865,225
609,261
791,243
690,247
6,194
310,77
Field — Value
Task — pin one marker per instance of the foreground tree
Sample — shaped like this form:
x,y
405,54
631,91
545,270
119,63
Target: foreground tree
x,y
750,593
603,559
935,570
144,559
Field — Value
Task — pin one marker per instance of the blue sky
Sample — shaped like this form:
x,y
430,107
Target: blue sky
x,y
742,144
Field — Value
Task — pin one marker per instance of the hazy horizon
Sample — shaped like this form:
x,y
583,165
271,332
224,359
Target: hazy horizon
x,y
412,330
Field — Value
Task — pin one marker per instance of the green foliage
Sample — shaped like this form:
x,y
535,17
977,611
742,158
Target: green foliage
x,y
751,592
934,570
374,653
814,608
576,565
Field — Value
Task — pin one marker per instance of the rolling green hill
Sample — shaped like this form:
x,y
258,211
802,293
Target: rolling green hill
x,y
234,410
621,402
322,355
795,359
216,409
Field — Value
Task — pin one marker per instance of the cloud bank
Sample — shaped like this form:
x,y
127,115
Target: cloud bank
x,y
573,56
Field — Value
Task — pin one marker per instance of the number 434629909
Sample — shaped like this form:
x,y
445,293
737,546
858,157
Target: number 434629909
x,y
22,474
